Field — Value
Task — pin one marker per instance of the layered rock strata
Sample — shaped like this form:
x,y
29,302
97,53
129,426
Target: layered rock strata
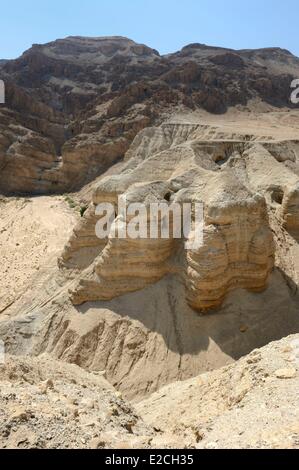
x,y
237,249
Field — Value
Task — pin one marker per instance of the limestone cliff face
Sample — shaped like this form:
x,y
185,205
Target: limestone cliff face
x,y
172,163
237,252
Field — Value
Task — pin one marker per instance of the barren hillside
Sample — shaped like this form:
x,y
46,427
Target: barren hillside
x,y
50,404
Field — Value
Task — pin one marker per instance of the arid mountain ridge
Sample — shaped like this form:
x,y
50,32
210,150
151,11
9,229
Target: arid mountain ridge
x,y
73,106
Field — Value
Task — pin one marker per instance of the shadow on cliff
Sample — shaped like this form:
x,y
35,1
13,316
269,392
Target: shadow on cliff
x,y
245,321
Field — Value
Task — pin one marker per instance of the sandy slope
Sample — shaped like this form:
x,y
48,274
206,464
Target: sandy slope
x,y
32,234
256,118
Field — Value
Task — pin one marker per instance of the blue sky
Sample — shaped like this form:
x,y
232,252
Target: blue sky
x,y
166,25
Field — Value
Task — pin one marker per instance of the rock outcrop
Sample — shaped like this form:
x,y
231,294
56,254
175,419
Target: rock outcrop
x,y
237,250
